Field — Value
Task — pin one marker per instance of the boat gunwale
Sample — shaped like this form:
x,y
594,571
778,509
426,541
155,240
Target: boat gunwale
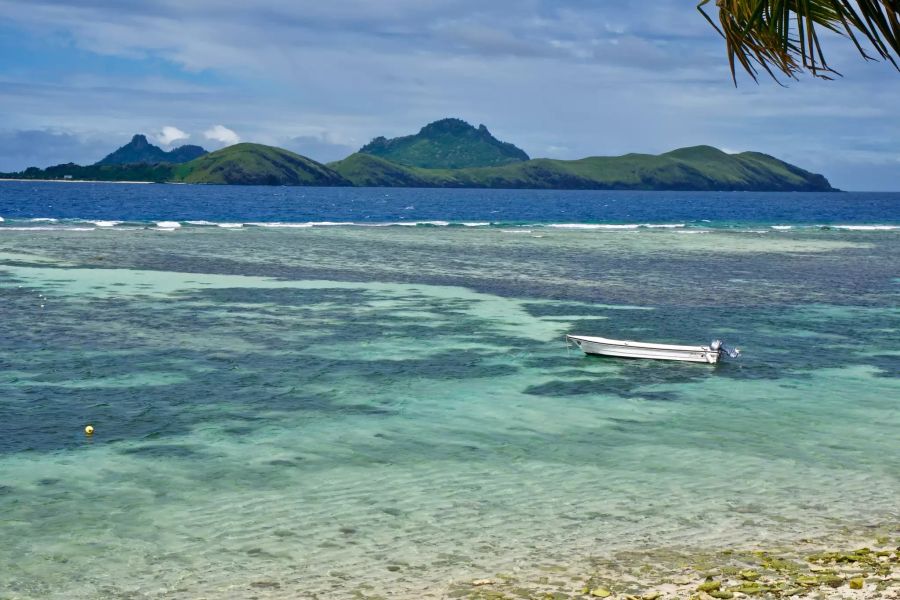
x,y
631,344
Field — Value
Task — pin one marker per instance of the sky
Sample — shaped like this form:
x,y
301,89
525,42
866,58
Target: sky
x,y
558,78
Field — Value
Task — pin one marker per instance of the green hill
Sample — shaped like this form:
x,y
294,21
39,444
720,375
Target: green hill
x,y
255,164
365,170
700,168
140,151
446,144
132,172
241,164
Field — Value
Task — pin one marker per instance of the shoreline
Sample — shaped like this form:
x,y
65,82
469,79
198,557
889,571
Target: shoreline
x,y
865,567
22,180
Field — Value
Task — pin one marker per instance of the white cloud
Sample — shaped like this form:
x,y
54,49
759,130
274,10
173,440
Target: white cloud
x,y
220,133
170,134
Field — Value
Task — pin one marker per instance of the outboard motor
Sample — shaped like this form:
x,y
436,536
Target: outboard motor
x,y
720,347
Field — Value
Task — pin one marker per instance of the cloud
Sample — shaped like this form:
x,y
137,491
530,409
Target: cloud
x,y
275,34
220,133
170,134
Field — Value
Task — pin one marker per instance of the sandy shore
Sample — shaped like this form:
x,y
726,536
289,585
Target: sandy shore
x,y
811,570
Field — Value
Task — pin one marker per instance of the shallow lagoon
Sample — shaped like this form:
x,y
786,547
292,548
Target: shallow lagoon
x,y
289,412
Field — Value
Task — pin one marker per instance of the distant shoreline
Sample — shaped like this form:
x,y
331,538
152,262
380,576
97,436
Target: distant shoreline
x,y
74,180
443,187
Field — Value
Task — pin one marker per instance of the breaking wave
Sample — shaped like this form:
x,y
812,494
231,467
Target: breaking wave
x,y
50,223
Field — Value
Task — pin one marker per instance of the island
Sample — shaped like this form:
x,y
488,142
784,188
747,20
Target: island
x,y
449,153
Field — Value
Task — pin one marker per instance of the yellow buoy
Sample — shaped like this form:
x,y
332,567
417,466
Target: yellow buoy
x,y
89,430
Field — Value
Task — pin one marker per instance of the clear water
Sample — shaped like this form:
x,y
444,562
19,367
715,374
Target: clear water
x,y
288,412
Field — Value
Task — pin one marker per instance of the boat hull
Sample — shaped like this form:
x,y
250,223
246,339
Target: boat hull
x,y
628,349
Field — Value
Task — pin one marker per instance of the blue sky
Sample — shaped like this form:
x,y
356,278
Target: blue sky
x,y
559,78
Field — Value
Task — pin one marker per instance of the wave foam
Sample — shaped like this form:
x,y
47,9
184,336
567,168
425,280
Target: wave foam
x,y
76,224
614,227
278,225
417,223
864,227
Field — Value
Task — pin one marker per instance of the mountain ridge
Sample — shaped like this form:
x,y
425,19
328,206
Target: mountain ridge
x,y
141,151
694,168
683,169
446,144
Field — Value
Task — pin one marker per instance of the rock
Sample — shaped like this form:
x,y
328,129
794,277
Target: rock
x,y
478,582
862,555
749,575
709,586
752,588
601,593
651,595
722,594
682,580
793,591
779,564
857,583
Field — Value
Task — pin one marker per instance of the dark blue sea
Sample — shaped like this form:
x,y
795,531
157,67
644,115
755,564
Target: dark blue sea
x,y
141,203
366,393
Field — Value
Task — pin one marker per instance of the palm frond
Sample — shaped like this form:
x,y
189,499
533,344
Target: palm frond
x,y
783,35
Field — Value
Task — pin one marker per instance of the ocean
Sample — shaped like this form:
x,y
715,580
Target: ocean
x,y
339,393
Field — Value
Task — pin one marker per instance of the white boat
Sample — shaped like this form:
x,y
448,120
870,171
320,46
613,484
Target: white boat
x,y
628,349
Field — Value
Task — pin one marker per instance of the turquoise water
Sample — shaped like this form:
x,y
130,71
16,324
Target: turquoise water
x,y
303,412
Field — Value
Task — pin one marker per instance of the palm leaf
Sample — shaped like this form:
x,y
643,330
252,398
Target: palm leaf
x,y
783,35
